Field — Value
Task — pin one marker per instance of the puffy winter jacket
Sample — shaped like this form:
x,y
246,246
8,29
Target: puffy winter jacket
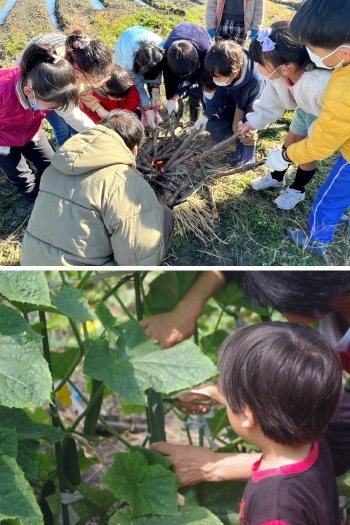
x,y
253,14
130,102
94,208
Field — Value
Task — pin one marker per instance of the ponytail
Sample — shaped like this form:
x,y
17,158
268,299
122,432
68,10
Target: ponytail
x,y
92,57
52,77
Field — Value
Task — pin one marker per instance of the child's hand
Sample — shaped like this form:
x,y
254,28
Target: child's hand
x,y
276,160
151,118
172,105
244,128
201,122
155,96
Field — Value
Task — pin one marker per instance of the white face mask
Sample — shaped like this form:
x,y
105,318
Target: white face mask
x,y
222,83
209,96
318,61
267,77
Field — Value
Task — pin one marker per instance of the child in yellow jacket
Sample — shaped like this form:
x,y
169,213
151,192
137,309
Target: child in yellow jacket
x,y
324,28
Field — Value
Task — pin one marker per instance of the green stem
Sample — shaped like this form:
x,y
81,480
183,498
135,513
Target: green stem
x,y
84,279
188,432
215,329
218,426
76,361
102,419
63,277
196,335
113,289
236,441
90,405
138,303
201,437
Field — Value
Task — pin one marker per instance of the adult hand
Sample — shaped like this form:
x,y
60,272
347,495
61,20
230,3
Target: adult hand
x,y
151,118
211,33
171,328
201,122
192,464
276,161
172,105
244,128
155,96
191,403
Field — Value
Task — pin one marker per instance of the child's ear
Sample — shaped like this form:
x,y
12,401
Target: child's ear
x,y
249,420
134,151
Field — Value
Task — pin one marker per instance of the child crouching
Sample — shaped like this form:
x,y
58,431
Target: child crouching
x,y
282,383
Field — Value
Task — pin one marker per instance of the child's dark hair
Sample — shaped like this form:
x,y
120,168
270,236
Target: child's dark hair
x,y
223,58
119,84
92,57
127,125
287,50
182,58
52,78
206,82
288,375
309,294
148,60
322,23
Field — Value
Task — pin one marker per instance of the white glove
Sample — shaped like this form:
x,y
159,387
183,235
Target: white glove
x,y
201,122
155,96
172,105
275,160
151,118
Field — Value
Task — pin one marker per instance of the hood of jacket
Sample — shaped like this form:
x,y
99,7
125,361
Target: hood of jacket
x,y
92,150
248,73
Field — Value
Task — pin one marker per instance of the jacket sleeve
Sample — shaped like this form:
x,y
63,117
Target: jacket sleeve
x,y
210,14
87,97
76,119
139,83
131,101
134,219
266,109
252,96
331,130
258,17
217,103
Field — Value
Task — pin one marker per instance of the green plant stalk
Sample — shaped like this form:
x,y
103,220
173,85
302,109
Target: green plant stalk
x,y
91,404
113,289
215,330
63,277
201,437
76,361
56,422
125,310
84,279
154,410
217,428
102,419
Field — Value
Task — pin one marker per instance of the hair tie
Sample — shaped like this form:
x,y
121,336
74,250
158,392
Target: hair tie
x,y
264,38
81,42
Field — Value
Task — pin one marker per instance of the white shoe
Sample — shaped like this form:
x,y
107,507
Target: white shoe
x,y
262,183
289,198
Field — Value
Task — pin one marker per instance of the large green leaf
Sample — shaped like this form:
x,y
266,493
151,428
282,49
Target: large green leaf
x,y
167,290
28,435
71,302
231,295
185,516
61,361
16,496
25,379
137,364
25,287
150,489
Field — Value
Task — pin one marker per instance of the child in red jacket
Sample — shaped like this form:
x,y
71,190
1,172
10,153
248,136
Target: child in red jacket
x,y
118,92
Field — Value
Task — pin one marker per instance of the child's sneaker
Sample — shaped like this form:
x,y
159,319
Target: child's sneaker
x,y
267,181
303,240
289,198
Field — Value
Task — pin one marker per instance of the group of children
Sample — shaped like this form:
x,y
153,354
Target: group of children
x,y
73,82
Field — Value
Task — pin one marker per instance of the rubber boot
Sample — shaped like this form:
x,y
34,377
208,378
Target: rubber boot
x,y
247,156
235,156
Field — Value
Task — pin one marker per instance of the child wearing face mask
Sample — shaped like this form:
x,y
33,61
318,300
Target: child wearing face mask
x,y
324,28
43,82
293,82
238,85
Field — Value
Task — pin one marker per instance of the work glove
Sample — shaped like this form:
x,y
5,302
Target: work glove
x,y
253,33
155,96
211,33
276,160
172,105
151,118
201,122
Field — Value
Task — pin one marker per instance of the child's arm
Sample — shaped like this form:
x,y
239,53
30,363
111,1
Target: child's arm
x,y
91,102
267,108
76,119
218,102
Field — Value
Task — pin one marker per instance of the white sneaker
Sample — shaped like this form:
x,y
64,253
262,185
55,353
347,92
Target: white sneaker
x,y
262,183
289,198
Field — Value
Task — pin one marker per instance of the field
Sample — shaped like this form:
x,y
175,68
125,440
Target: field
x,y
250,229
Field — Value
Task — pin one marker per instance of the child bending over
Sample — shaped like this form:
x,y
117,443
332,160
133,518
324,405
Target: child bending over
x,y
119,92
282,383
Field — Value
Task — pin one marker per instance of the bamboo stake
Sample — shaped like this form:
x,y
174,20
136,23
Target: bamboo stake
x,y
186,142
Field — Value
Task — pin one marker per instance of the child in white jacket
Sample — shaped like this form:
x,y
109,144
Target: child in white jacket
x,y
293,82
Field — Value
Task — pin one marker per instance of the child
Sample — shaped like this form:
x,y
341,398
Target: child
x,y
239,84
324,28
141,53
233,19
43,82
118,92
207,85
292,83
282,383
204,90
185,51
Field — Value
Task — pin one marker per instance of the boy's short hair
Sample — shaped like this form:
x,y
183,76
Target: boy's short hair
x,y
182,58
119,84
126,125
322,23
305,293
288,375
148,60
223,58
206,82
286,50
